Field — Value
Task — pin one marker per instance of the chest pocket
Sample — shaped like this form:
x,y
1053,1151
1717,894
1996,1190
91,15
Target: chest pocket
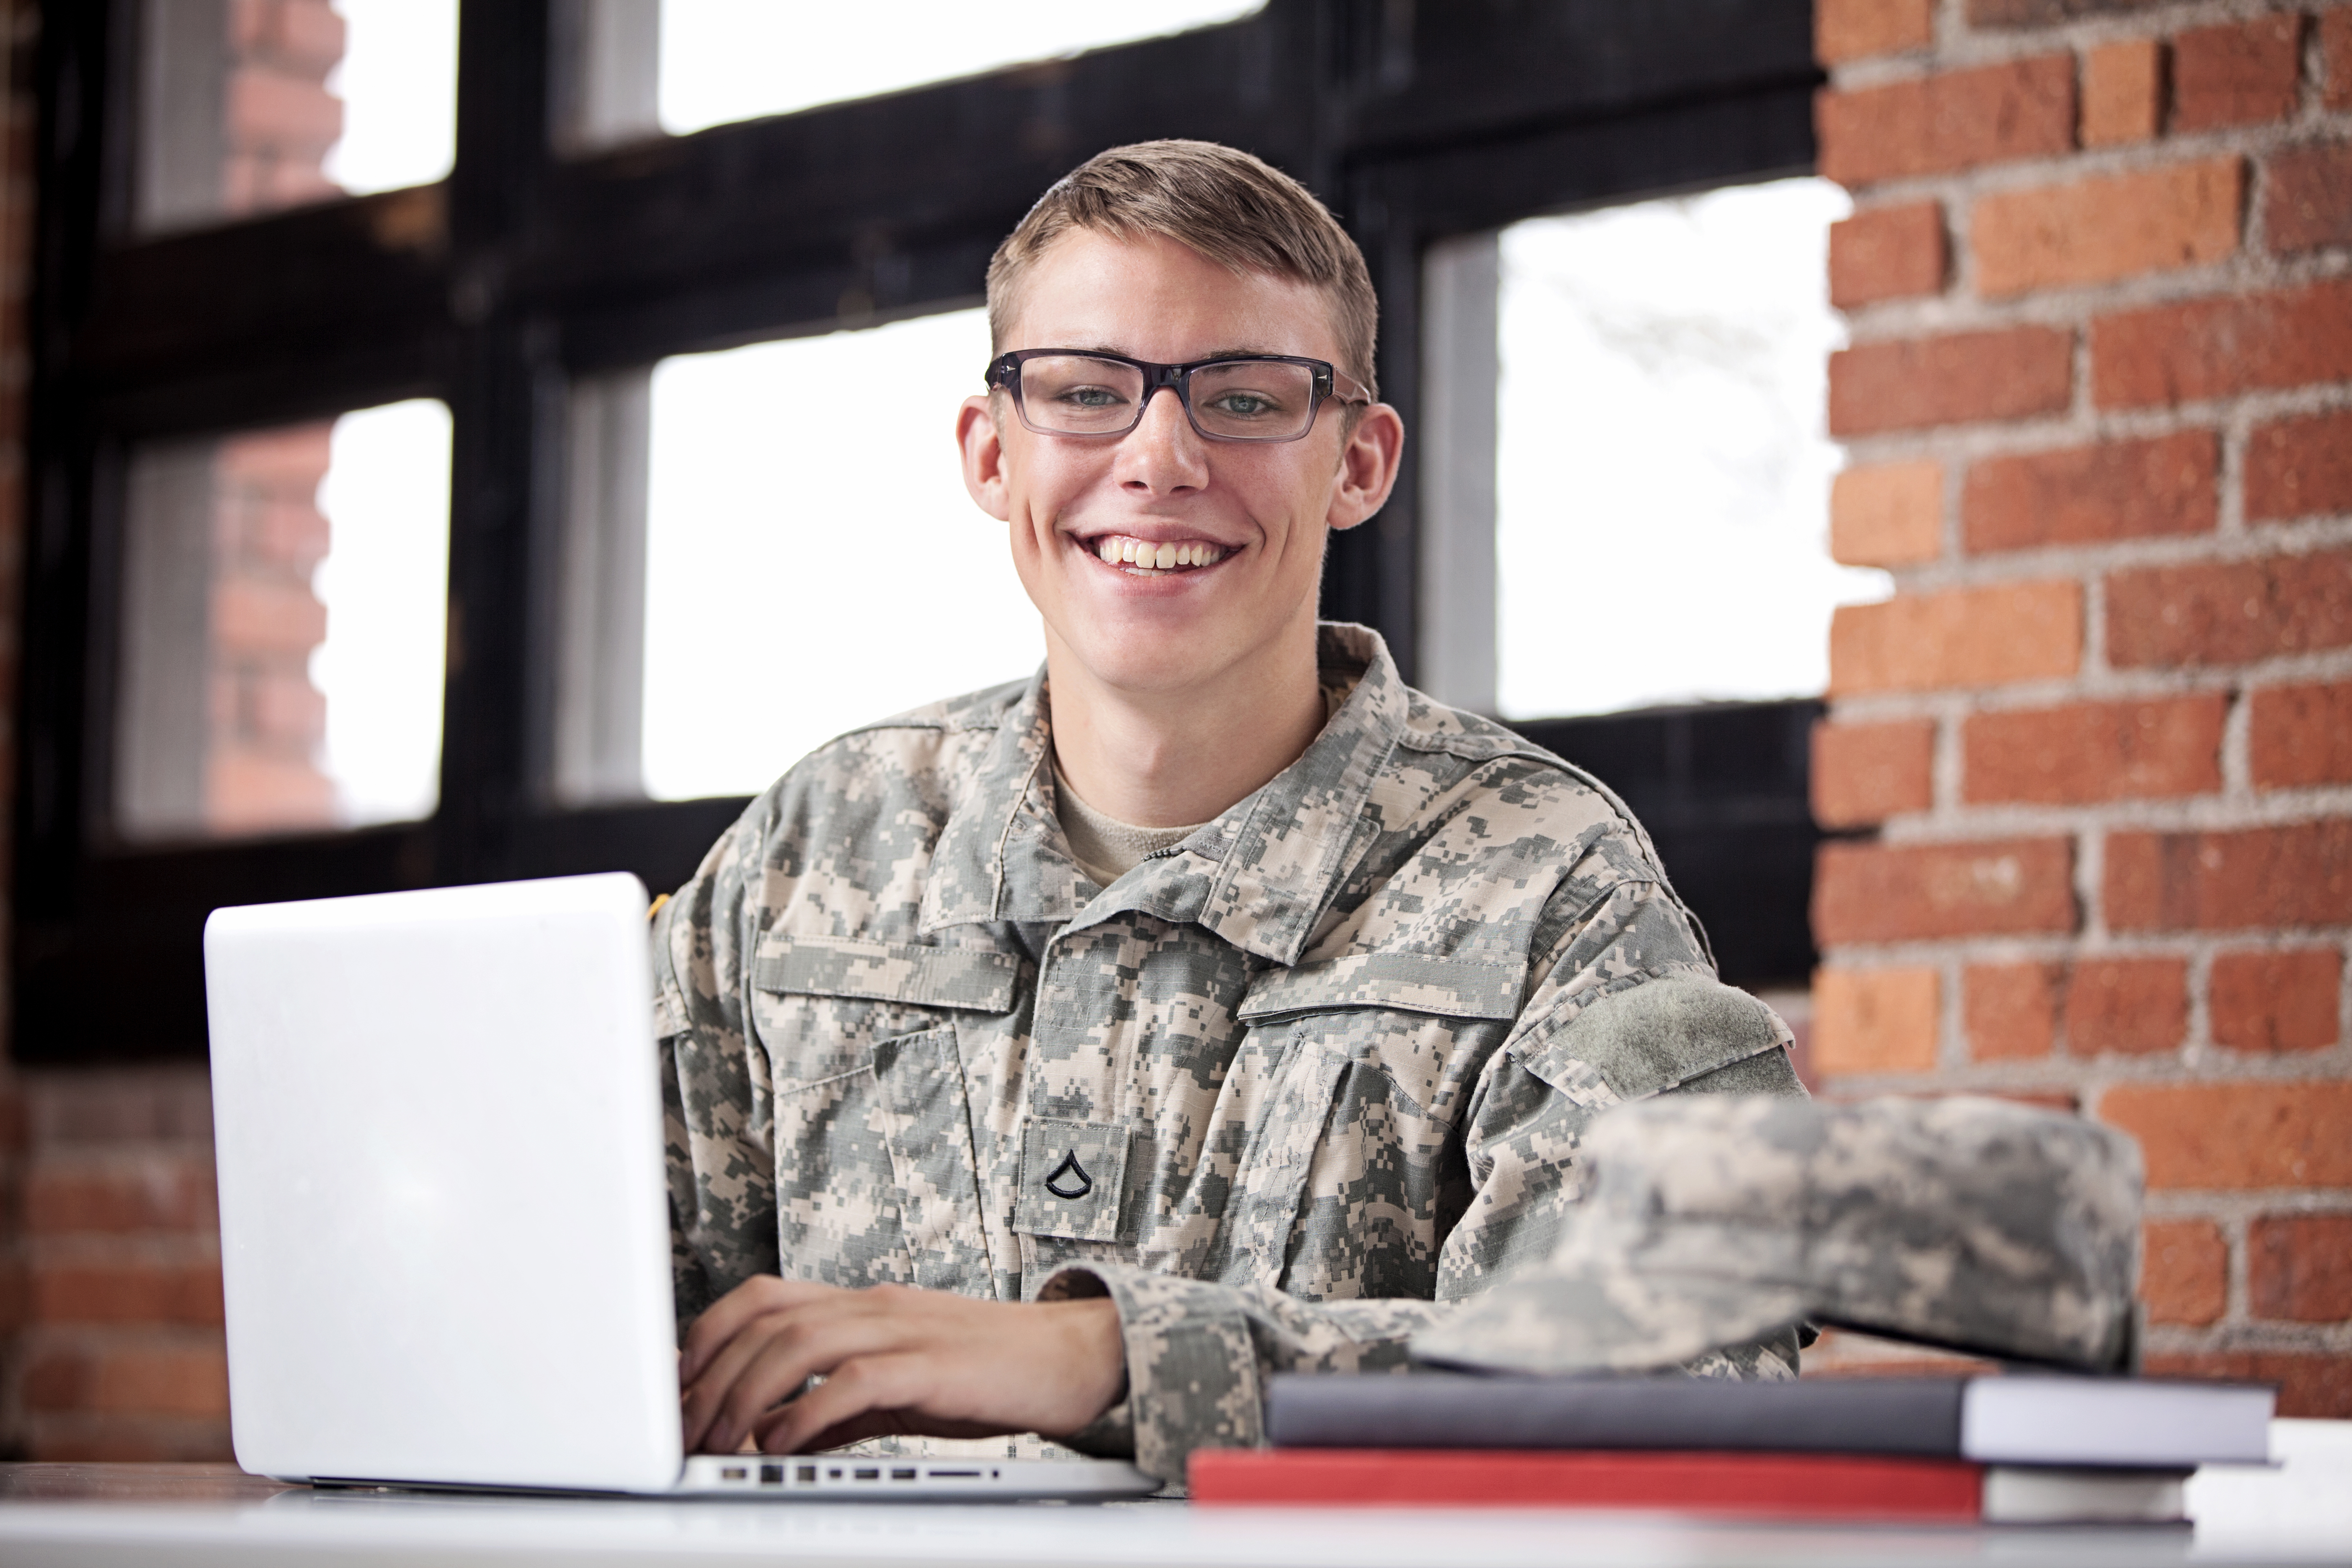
x,y
1356,1174
875,1176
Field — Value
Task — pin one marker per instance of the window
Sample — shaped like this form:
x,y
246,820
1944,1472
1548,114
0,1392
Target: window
x,y
282,625
251,106
1662,466
616,322
724,60
806,512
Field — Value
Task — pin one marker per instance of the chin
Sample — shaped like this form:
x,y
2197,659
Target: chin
x,y
1151,656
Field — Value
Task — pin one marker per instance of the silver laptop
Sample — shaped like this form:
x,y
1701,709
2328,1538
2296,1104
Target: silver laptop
x,y
445,1231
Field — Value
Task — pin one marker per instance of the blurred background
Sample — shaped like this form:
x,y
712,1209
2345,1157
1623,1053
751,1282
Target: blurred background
x,y
1897,444
1659,401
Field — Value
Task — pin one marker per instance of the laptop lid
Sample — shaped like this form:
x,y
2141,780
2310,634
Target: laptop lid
x,y
445,1233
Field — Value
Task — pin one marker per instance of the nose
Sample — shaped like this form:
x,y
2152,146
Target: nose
x,y
1163,454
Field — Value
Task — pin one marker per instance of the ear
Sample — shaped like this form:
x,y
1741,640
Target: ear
x,y
984,457
1369,459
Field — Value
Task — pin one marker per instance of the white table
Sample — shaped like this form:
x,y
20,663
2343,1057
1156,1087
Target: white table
x,y
187,1516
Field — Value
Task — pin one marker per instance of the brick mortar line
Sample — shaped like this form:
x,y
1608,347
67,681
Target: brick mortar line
x,y
2271,1335
2237,1272
2197,1057
2192,1065
1951,1024
133,1249
2043,947
2089,1082
2184,814
2235,435
2091,425
120,1151
1948,763
2261,541
39,1338
2077,306
1982,440
2107,689
2311,122
2237,745
105,1423
2089,866
2241,1206
1954,705
115,1153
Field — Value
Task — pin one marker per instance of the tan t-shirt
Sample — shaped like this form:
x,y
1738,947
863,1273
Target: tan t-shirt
x,y
1106,847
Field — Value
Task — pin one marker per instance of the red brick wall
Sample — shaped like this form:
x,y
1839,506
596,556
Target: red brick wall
x,y
280,118
18,34
111,1344
2096,753
261,768
119,1352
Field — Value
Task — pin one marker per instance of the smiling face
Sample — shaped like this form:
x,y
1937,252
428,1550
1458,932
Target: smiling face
x,y
1234,531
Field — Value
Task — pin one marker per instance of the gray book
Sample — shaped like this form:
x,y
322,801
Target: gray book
x,y
2082,1422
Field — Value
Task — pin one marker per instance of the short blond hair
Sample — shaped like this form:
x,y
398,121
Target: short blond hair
x,y
1239,211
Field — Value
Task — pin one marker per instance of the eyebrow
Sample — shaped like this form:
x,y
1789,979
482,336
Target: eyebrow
x,y
1197,359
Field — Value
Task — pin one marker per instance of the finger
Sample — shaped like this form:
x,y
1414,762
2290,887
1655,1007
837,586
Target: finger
x,y
885,1384
725,1318
773,1358
702,1403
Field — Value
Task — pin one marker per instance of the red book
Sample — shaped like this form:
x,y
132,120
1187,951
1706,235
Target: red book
x,y
1738,1484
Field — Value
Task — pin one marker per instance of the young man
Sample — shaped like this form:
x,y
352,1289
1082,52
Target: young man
x,y
1066,1057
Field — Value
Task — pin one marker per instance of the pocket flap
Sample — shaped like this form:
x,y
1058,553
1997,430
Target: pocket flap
x,y
970,977
1409,982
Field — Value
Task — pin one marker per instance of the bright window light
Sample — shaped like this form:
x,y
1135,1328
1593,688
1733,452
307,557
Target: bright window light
x,y
724,60
813,560
1663,470
385,587
398,81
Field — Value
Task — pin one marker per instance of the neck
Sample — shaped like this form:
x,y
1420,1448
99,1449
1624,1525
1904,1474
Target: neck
x,y
1169,758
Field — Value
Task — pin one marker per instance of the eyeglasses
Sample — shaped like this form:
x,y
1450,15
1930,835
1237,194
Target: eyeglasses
x,y
1250,397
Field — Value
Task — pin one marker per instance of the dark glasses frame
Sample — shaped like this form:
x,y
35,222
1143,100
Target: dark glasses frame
x,y
1003,374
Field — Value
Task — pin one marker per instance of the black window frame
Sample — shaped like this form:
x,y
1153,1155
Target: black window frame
x,y
525,268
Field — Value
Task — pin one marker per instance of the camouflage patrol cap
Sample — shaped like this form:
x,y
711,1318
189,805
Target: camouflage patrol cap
x,y
1713,1221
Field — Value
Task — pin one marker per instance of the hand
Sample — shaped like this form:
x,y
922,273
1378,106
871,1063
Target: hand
x,y
895,1360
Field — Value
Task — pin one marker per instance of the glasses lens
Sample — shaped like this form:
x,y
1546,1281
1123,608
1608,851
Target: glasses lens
x,y
1254,400
1077,394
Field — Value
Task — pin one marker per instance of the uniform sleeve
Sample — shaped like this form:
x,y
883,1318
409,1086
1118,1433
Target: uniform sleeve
x,y
1624,1004
718,1109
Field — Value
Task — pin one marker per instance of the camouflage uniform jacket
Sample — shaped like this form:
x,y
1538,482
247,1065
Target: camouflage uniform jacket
x,y
1285,1091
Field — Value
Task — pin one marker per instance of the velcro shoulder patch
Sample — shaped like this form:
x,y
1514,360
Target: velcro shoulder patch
x,y
1646,1038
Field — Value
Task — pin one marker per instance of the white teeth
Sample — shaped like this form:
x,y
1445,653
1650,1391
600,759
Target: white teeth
x,y
1150,557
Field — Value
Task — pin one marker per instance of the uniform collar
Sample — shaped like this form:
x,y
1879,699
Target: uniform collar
x,y
1258,875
